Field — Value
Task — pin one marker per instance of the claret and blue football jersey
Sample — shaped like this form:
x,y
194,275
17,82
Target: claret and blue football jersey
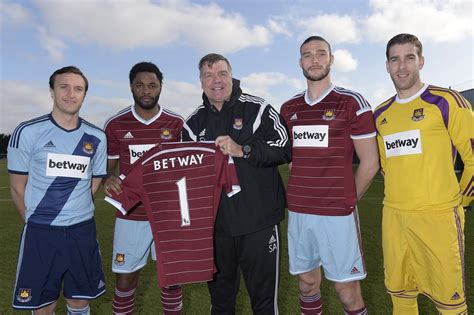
x,y
60,164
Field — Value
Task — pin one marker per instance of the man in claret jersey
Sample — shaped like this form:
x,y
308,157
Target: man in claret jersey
x,y
327,123
419,132
130,133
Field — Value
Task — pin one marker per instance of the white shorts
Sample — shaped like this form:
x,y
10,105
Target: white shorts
x,y
333,242
132,243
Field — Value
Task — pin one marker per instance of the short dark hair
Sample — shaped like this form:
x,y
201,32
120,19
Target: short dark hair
x,y
67,69
404,38
318,38
211,59
145,66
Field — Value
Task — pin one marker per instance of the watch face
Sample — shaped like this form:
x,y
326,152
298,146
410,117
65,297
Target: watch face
x,y
247,149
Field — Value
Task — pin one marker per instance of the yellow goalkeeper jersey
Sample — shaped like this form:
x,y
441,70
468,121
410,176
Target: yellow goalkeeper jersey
x,y
418,139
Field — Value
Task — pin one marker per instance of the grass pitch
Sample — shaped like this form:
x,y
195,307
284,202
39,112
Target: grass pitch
x,y
196,297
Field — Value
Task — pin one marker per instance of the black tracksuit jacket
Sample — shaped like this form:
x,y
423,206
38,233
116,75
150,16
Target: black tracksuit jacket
x,y
248,120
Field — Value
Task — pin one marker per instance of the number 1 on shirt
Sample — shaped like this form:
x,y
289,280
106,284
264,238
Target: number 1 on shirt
x,y
183,202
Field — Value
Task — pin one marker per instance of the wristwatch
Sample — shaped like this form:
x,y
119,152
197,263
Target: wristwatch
x,y
246,149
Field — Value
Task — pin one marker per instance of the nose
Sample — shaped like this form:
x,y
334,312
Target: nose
x,y
71,92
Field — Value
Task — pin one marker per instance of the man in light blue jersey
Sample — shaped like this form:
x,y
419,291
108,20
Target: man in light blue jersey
x,y
56,163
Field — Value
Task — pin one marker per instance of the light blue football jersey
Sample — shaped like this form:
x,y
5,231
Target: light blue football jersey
x,y
60,165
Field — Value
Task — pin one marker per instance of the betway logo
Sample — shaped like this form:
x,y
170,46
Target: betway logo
x,y
188,160
66,165
311,136
137,150
403,143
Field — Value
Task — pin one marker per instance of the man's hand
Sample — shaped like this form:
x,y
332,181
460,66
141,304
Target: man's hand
x,y
112,184
228,146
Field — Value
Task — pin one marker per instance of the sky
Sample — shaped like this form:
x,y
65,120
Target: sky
x,y
261,39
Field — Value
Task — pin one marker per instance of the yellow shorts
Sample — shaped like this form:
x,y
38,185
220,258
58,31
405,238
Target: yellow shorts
x,y
424,253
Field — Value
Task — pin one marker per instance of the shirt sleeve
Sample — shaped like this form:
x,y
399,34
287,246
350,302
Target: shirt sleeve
x,y
99,162
362,121
19,152
113,145
461,131
271,144
132,190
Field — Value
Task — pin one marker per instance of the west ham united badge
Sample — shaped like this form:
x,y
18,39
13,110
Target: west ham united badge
x,y
329,114
88,147
166,134
238,124
417,114
24,295
119,259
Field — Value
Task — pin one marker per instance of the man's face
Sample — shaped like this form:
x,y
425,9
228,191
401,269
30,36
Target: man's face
x,y
404,66
146,89
315,60
68,93
216,82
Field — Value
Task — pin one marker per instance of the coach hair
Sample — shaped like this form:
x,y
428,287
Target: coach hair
x,y
211,59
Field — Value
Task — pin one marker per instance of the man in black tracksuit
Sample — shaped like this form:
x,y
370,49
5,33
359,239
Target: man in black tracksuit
x,y
247,230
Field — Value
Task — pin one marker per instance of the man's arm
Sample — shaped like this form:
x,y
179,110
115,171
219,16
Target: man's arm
x,y
366,150
112,182
17,190
461,132
271,144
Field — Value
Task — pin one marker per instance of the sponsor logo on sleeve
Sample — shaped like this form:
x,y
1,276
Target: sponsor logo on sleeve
x,y
403,143
66,165
311,136
137,150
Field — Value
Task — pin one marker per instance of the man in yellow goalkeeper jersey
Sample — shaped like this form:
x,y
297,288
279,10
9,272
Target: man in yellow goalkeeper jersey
x,y
419,132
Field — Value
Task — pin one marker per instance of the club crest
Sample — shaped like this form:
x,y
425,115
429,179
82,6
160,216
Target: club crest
x,y
329,114
88,147
417,114
119,259
166,134
238,124
24,295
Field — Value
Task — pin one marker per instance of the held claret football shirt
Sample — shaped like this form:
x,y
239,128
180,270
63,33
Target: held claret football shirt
x,y
180,185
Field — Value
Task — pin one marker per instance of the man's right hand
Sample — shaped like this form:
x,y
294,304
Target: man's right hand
x,y
112,184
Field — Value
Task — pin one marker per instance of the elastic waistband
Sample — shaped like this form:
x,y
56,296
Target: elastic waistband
x,y
59,227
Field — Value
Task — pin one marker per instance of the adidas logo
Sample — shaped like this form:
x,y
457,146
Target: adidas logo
x,y
128,135
101,284
455,296
294,117
50,144
384,121
272,240
354,270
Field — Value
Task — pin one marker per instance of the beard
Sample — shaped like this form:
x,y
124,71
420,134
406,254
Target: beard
x,y
146,105
317,77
